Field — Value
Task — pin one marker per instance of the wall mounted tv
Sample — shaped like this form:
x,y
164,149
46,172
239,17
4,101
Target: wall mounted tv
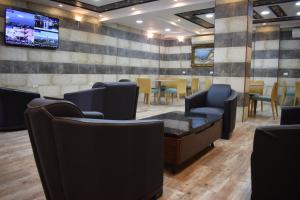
x,y
30,29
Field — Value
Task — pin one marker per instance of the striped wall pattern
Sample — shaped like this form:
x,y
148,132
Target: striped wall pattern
x,y
265,55
275,53
233,38
90,52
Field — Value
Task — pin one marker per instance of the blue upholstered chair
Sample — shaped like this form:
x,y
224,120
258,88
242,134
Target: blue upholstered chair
x,y
220,99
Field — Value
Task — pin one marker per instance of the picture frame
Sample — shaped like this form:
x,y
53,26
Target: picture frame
x,y
203,55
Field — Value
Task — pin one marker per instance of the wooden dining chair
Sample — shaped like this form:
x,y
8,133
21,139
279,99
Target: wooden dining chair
x,y
207,82
145,88
177,88
257,87
297,92
283,93
195,85
272,99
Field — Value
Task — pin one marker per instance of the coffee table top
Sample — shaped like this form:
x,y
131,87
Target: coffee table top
x,y
177,124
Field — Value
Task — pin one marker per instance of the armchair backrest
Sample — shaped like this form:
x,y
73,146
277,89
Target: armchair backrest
x,y
217,94
12,106
39,116
87,100
120,100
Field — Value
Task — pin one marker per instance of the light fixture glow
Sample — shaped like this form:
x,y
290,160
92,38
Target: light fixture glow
x,y
173,23
180,38
139,21
197,32
104,19
264,24
265,12
209,15
167,29
78,18
297,3
150,35
178,20
298,13
60,5
133,8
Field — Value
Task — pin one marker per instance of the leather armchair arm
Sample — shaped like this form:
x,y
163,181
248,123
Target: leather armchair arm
x,y
130,149
275,161
290,115
92,114
195,100
230,106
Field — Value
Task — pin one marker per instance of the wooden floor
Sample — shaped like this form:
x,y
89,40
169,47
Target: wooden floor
x,y
223,173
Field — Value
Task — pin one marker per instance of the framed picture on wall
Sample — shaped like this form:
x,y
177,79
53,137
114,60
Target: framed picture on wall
x,y
203,55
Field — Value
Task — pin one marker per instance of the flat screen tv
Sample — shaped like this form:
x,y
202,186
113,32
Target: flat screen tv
x,y
31,29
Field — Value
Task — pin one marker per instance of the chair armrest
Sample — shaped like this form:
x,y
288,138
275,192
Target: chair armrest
x,y
195,100
93,114
290,115
99,152
230,106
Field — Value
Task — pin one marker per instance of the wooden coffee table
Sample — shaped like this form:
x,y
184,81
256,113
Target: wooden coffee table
x,y
187,136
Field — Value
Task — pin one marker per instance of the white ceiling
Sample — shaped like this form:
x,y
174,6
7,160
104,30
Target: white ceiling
x,y
98,2
159,15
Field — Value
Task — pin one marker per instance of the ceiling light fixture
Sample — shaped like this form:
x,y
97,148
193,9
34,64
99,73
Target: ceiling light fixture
x,y
298,13
265,12
297,3
60,5
78,18
180,38
264,24
139,21
209,15
133,8
178,20
167,29
150,35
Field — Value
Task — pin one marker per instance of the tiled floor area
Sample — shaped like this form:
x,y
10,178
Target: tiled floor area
x,y
222,173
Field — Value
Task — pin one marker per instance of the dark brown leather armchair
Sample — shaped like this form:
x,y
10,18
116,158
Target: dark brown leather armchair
x,y
275,160
80,158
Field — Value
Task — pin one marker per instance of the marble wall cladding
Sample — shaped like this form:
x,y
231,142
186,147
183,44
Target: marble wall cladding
x,y
233,41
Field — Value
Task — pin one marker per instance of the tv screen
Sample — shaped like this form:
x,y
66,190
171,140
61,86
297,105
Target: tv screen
x,y
31,30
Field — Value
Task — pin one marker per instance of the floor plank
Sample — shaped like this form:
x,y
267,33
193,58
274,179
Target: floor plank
x,y
222,173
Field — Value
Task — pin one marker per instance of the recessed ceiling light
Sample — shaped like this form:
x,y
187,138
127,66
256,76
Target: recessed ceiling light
x,y
264,24
78,18
298,13
139,21
133,8
265,12
175,0
167,29
178,20
297,3
150,35
209,15
180,38
60,5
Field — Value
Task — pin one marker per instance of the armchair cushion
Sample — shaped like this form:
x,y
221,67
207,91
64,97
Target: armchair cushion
x,y
207,110
217,94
